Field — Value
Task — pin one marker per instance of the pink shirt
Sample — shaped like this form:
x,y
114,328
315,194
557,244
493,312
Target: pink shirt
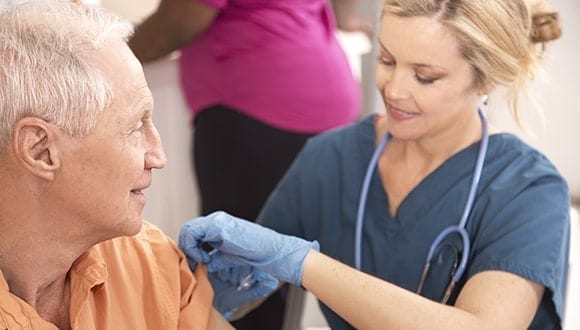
x,y
277,61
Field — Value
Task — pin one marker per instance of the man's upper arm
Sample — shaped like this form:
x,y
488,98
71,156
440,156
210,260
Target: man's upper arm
x,y
197,311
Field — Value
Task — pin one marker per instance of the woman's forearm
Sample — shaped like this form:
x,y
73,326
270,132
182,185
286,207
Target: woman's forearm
x,y
367,302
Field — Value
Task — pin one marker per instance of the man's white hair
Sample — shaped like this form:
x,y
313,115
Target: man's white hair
x,y
48,52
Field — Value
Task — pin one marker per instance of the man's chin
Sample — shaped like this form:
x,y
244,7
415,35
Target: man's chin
x,y
133,228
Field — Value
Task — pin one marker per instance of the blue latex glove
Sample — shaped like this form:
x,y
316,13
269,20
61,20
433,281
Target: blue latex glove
x,y
236,286
230,293
242,243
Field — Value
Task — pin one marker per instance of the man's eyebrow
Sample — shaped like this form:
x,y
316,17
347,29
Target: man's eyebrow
x,y
146,104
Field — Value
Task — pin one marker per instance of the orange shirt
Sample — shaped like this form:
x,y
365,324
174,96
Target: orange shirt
x,y
138,282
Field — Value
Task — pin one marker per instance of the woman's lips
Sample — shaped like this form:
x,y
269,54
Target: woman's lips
x,y
400,115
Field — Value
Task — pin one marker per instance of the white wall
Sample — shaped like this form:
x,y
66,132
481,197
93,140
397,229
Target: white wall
x,y
133,10
558,96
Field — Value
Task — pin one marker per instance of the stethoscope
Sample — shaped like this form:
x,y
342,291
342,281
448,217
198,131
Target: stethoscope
x,y
458,268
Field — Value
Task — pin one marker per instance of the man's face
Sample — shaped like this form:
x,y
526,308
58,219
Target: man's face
x,y
104,174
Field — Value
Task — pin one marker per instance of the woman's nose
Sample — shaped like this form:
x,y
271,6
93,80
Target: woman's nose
x,y
394,86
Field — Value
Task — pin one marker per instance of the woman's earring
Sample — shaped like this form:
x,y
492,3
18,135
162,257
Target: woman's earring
x,y
484,99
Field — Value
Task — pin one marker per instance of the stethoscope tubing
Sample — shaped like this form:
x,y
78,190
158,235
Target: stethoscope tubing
x,y
459,228
363,198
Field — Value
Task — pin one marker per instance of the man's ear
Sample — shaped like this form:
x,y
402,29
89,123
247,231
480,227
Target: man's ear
x,y
34,143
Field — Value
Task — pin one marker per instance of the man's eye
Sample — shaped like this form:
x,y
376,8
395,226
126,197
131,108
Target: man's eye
x,y
138,127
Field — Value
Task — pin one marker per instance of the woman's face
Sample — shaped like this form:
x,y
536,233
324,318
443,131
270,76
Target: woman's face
x,y
427,86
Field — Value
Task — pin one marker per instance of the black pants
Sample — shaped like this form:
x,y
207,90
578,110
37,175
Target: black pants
x,y
238,161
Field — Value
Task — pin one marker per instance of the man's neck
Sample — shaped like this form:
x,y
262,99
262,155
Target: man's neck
x,y
38,274
53,303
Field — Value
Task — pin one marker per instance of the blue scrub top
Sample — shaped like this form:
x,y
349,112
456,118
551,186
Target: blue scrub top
x,y
519,222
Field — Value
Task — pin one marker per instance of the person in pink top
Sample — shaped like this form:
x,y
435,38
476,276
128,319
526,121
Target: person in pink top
x,y
260,77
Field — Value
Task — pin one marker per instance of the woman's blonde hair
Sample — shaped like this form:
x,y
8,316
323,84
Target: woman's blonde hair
x,y
47,64
497,37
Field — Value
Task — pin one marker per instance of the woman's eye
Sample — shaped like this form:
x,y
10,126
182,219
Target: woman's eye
x,y
383,61
424,80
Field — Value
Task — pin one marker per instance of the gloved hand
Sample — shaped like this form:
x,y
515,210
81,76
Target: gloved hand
x,y
234,287
242,243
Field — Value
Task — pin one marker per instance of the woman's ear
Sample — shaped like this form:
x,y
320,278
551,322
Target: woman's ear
x,y
487,89
34,144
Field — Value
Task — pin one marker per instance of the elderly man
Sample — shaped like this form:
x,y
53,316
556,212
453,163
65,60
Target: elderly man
x,y
77,148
